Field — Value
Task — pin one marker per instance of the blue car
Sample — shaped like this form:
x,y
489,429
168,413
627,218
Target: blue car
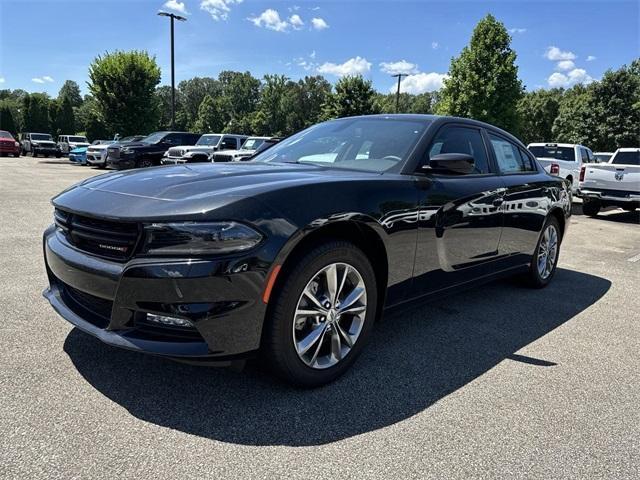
x,y
78,155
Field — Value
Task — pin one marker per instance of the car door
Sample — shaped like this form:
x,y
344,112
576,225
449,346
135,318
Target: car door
x,y
527,198
460,220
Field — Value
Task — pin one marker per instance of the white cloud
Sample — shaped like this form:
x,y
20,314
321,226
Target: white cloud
x,y
37,80
43,79
555,54
47,78
353,66
176,6
566,65
312,55
421,83
315,9
435,45
1,79
270,19
393,68
319,23
591,58
575,76
294,8
296,22
517,30
218,9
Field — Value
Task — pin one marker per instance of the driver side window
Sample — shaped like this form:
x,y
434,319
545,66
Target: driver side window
x,y
467,140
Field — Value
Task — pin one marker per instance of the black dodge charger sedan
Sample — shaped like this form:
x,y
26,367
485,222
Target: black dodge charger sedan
x,y
294,255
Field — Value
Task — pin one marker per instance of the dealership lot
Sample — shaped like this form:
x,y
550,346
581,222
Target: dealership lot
x,y
500,381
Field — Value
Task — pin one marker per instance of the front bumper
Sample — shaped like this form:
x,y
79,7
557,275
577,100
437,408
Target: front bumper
x,y
95,159
110,300
172,161
12,149
121,163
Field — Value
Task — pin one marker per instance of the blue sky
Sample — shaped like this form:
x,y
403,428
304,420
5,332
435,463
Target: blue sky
x,y
44,43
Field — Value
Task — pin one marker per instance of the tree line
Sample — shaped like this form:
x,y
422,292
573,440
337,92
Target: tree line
x,y
483,83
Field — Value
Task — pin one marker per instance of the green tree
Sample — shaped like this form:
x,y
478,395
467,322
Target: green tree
x,y
303,102
239,98
70,90
66,121
88,120
123,85
615,107
7,120
271,116
537,111
54,116
483,81
573,123
36,112
209,118
189,96
163,98
353,96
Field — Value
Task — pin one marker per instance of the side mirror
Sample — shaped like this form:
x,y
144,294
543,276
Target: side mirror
x,y
452,162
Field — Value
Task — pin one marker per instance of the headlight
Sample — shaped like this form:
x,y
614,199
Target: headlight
x,y
195,238
126,151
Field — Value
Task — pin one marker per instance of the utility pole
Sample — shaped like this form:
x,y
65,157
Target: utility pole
x,y
399,77
173,17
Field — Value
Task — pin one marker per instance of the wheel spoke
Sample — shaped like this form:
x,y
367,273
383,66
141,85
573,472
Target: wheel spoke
x,y
331,274
352,310
311,339
342,282
345,335
314,358
350,299
310,312
336,345
310,295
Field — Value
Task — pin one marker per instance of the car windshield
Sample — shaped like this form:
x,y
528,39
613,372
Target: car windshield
x,y
41,136
6,135
211,140
626,158
154,137
553,151
252,143
78,139
602,157
374,144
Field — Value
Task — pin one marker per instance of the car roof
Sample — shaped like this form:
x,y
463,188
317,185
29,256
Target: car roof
x,y
628,149
557,144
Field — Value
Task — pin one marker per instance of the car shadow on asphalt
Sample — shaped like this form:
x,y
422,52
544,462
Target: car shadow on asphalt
x,y
612,214
414,359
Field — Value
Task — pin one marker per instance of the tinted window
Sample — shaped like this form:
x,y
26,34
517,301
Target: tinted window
x,y
208,140
341,143
626,158
228,144
603,157
553,151
527,161
174,139
508,156
6,135
41,136
584,155
461,140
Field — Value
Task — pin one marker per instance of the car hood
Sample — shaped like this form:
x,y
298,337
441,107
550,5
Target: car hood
x,y
183,190
130,145
43,142
6,140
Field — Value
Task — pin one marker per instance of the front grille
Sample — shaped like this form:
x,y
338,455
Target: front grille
x,y
106,238
221,157
176,152
114,152
93,309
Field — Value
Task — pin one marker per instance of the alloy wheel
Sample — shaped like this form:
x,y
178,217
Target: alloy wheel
x,y
547,252
329,315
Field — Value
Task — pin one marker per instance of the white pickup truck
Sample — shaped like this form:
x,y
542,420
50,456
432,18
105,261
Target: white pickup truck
x,y
563,159
616,183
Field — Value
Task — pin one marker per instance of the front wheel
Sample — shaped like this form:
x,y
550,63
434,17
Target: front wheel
x,y
321,315
545,258
144,163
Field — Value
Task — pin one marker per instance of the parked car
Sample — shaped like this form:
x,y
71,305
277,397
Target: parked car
x,y
148,151
69,142
200,152
282,255
78,155
8,144
613,184
97,153
249,149
603,157
563,159
39,144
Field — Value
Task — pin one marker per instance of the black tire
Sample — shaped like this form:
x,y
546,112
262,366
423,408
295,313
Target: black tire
x,y
278,344
34,153
144,163
102,166
534,278
591,208
630,208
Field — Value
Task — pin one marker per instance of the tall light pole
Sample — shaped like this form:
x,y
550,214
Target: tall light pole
x,y
173,17
399,77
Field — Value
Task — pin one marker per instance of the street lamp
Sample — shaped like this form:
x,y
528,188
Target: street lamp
x,y
173,17
399,77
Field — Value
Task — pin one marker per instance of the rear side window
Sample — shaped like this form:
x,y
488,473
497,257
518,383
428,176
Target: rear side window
x,y
461,140
509,157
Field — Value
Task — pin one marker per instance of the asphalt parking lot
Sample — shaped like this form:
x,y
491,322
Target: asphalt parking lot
x,y
501,381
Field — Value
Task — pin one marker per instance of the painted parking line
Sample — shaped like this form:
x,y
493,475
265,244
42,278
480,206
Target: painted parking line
x,y
634,259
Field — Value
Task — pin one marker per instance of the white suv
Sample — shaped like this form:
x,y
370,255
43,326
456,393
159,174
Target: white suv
x,y
563,159
69,142
206,144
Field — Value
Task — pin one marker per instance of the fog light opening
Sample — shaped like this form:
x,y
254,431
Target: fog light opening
x,y
169,321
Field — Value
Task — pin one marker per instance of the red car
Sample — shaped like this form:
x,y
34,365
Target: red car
x,y
8,144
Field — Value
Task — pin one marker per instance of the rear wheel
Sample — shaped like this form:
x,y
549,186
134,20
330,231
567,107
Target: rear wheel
x,y
545,257
144,163
322,315
591,207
